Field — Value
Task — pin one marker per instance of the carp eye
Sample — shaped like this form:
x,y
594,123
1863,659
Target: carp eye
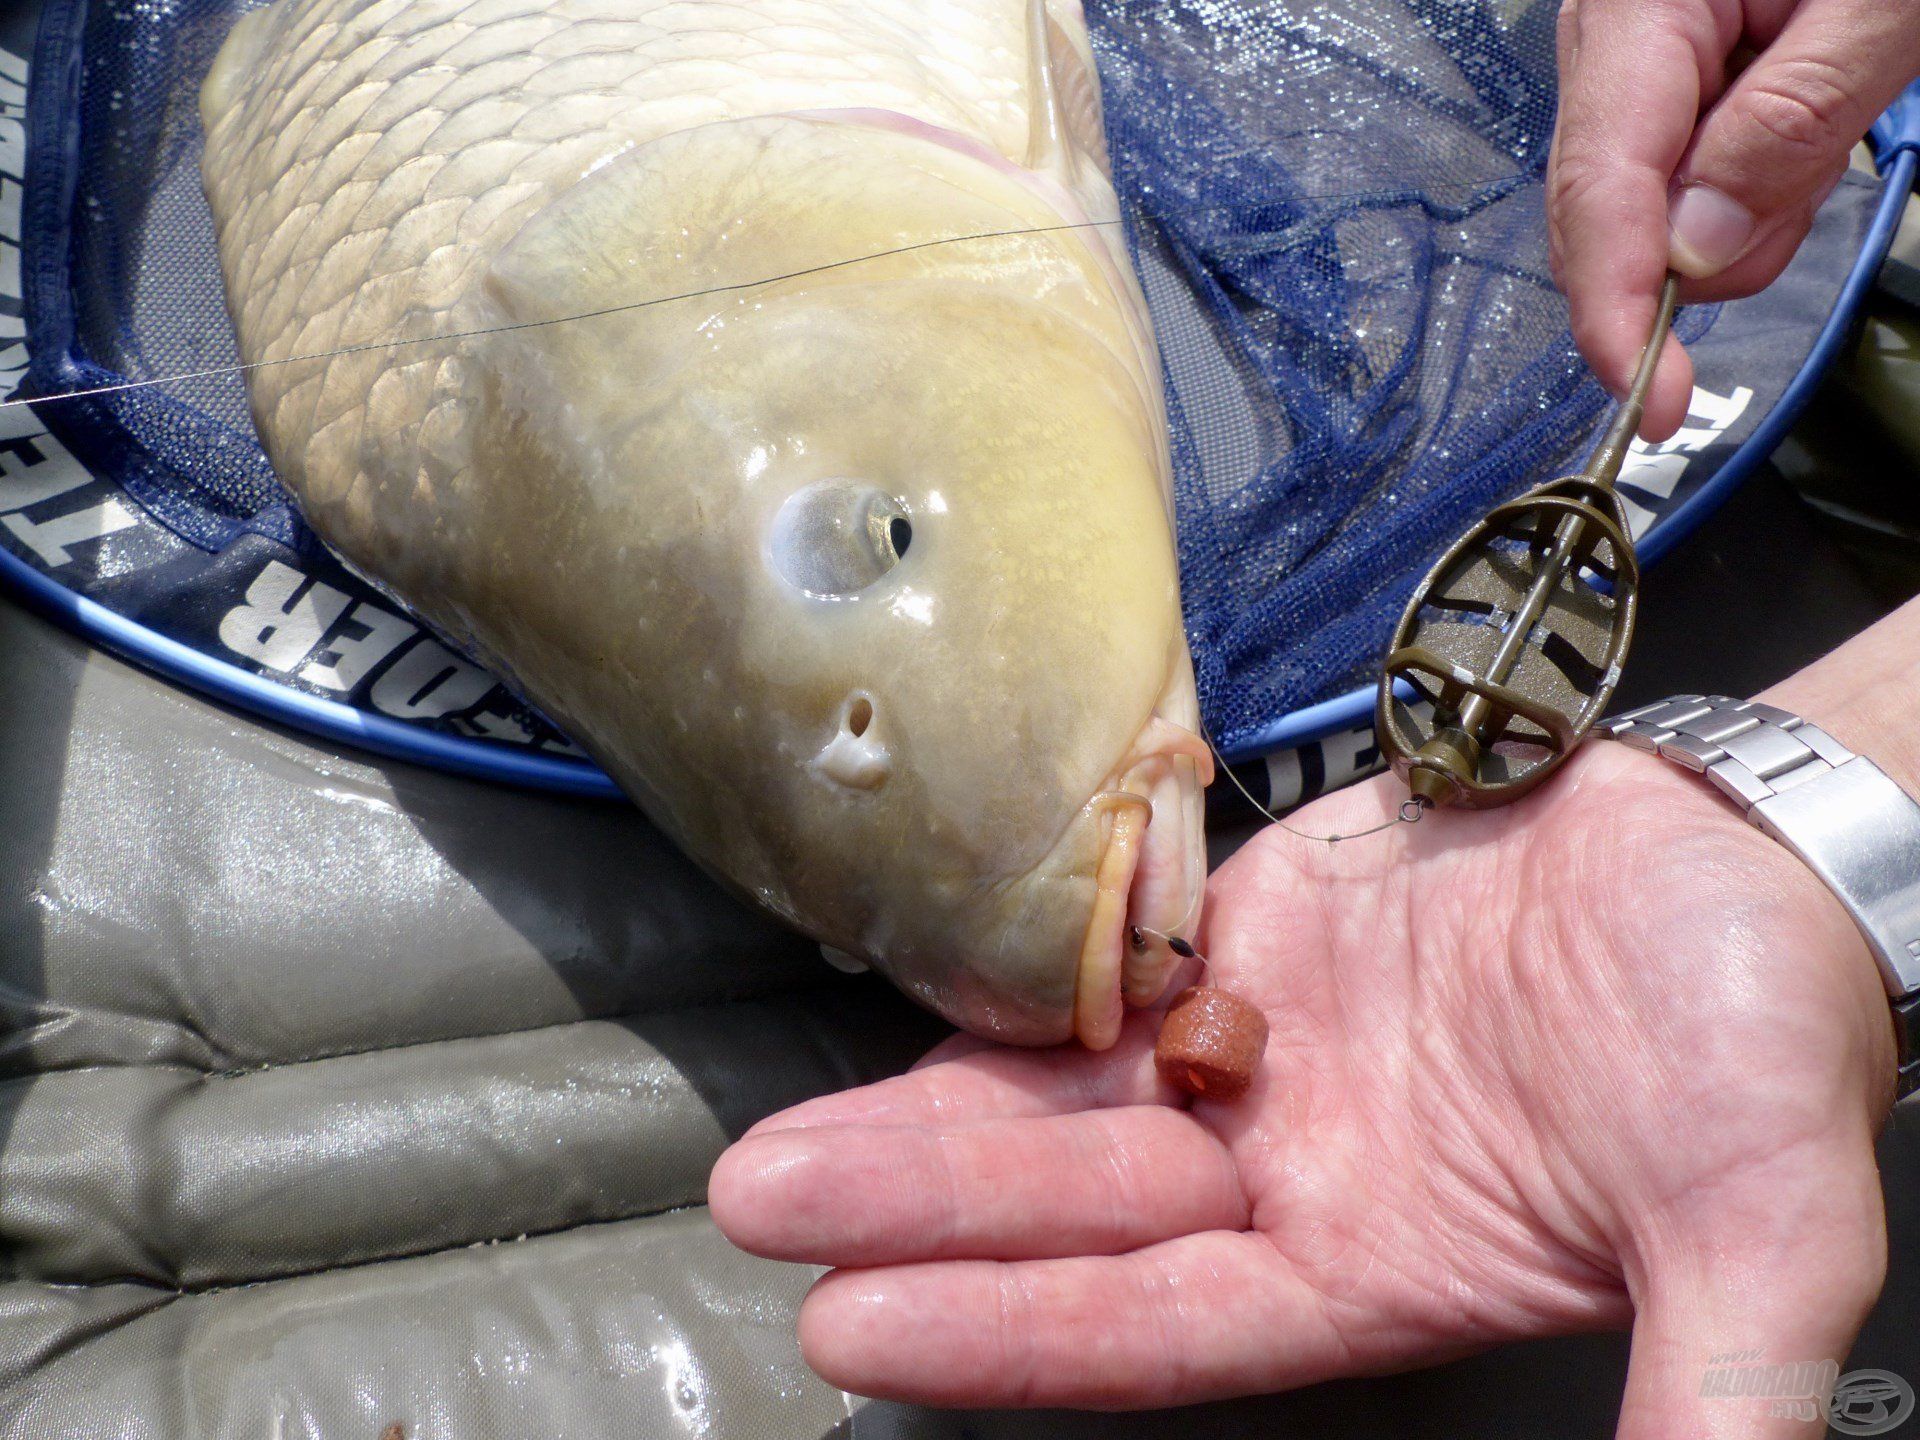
x,y
837,537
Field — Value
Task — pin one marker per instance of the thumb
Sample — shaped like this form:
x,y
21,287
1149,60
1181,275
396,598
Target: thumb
x,y
1734,1339
1776,143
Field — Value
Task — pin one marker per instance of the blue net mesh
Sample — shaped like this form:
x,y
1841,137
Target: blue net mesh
x,y
142,284
1337,211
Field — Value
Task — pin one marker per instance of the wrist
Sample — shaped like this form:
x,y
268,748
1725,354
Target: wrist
x,y
1765,883
1864,695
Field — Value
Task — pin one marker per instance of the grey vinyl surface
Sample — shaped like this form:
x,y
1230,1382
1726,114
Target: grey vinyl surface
x,y
335,1096
338,1094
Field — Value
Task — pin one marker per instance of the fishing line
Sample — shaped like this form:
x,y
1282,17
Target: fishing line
x,y
621,309
1138,935
1487,189
1409,814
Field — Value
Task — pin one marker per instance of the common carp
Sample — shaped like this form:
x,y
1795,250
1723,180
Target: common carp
x,y
763,390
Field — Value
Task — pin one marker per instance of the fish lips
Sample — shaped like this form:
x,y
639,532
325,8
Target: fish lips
x,y
1053,955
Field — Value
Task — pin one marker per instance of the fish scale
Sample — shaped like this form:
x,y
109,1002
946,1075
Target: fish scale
x,y
944,760
383,151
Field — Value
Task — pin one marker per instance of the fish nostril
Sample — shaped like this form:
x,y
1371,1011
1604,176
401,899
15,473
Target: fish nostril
x,y
856,755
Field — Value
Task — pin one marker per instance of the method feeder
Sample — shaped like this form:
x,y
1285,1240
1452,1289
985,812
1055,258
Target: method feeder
x,y
1516,637
1514,641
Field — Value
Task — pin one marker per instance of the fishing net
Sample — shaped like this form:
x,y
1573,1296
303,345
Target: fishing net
x,y
1339,209
1336,211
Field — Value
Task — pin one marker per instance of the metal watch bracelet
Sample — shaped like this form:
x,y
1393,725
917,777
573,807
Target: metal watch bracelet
x,y
1839,812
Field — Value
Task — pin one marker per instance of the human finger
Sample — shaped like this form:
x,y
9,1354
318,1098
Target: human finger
x,y
996,1082
1208,1315
1096,1183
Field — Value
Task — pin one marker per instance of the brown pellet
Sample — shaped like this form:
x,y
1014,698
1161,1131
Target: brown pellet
x,y
1210,1043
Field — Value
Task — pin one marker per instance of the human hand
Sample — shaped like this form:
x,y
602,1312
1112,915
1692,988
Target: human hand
x,y
1611,1054
1669,151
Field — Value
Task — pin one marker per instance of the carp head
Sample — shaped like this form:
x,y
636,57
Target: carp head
x,y
856,566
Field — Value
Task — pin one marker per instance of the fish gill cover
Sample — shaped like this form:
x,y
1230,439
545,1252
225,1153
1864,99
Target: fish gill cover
x,y
1336,211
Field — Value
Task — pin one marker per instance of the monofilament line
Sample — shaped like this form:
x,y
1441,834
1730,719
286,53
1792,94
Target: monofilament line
x,y
1409,813
1491,188
220,371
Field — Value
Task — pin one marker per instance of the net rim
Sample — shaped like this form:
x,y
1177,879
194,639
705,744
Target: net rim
x,y
505,764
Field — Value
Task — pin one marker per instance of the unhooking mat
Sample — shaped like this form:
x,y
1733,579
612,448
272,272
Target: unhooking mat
x,y
353,1097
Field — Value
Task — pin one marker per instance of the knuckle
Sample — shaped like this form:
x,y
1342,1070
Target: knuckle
x,y
1577,177
1589,336
1165,1304
1675,16
1804,107
1015,1308
1689,19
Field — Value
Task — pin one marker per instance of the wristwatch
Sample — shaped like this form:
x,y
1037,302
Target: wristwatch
x,y
1855,829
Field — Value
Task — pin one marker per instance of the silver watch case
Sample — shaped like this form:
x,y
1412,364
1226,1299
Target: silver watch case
x,y
1839,812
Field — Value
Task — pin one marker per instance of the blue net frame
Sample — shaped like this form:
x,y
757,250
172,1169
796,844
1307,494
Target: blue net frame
x,y
1337,212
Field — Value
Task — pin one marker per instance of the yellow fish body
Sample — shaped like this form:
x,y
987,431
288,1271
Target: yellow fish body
x,y
855,565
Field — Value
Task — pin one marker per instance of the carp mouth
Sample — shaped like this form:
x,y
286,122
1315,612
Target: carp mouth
x,y
1149,882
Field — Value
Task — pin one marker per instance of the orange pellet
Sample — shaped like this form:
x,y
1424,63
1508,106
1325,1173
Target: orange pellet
x,y
1210,1043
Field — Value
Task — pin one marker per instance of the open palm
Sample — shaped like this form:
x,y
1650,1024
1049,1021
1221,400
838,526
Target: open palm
x,y
1607,1056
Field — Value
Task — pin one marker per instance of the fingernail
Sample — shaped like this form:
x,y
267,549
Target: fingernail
x,y
1706,231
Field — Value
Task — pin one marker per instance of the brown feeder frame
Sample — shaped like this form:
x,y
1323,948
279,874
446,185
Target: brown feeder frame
x,y
1503,723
